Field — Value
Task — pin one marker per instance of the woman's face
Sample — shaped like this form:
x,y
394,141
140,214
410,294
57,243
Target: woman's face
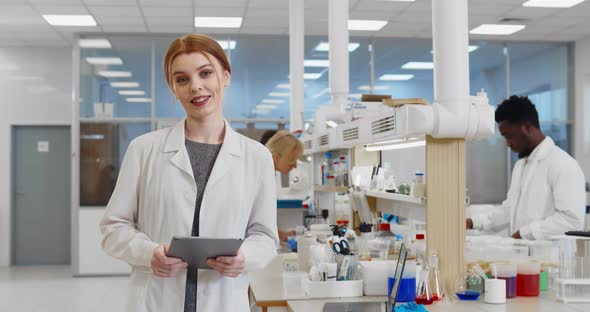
x,y
198,84
284,164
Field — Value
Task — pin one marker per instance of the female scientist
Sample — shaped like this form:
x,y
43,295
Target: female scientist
x,y
285,148
199,178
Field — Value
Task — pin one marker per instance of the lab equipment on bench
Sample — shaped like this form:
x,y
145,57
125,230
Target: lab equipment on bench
x,y
398,274
341,248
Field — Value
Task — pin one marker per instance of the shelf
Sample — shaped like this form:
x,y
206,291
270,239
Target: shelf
x,y
330,189
115,120
397,197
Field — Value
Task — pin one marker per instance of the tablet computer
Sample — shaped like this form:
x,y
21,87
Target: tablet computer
x,y
196,250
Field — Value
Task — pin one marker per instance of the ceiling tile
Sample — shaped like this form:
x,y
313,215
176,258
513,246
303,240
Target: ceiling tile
x,y
561,20
523,12
46,43
124,28
72,29
24,20
55,1
576,30
119,20
169,21
582,9
114,10
263,13
168,3
477,20
17,10
380,5
173,12
171,29
220,12
216,31
315,4
420,6
267,22
284,4
489,9
412,18
222,3
370,15
265,31
62,9
111,2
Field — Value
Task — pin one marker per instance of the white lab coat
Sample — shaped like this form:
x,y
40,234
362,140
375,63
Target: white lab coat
x,y
155,199
546,196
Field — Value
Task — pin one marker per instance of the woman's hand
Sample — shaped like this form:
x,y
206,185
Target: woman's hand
x,y
228,266
164,266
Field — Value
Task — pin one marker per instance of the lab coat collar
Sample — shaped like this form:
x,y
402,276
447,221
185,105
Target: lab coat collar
x,y
542,150
176,143
176,139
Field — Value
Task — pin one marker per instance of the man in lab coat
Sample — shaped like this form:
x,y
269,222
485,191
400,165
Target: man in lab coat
x,y
547,194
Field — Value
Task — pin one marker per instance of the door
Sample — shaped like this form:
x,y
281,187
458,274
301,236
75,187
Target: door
x,y
41,195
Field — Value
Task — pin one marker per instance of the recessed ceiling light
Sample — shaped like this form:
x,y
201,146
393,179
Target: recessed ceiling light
x,y
124,84
131,92
218,22
138,100
280,94
325,46
418,65
316,63
392,77
69,20
283,86
551,3
225,44
266,106
114,74
366,25
273,101
94,43
367,88
311,76
104,60
496,29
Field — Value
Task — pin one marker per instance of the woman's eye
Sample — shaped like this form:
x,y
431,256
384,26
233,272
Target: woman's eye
x,y
181,80
206,73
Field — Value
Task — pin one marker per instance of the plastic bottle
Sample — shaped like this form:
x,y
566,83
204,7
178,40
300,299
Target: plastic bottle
x,y
419,248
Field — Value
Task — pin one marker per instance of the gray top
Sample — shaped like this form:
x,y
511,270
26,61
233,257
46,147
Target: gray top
x,y
202,157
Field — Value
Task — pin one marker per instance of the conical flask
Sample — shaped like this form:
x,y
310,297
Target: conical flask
x,y
423,294
435,280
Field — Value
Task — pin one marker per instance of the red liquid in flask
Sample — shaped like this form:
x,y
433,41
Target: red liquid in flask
x,y
527,285
423,300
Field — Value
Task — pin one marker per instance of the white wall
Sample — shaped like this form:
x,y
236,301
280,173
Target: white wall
x,y
582,104
35,88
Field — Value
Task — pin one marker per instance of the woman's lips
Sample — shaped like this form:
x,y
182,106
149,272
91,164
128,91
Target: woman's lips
x,y
200,100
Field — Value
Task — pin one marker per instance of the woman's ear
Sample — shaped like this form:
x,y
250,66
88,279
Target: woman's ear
x,y
276,157
226,78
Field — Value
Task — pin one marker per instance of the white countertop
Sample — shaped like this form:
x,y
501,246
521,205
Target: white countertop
x,y
267,287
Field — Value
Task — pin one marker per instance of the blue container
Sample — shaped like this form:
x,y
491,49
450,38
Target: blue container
x,y
289,203
407,289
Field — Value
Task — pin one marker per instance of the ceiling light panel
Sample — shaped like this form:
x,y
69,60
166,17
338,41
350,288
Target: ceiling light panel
x,y
367,25
227,44
283,86
552,3
218,22
368,88
138,100
131,92
496,29
311,76
266,106
395,77
316,63
69,20
114,74
104,60
325,46
97,43
124,84
273,101
279,94
418,65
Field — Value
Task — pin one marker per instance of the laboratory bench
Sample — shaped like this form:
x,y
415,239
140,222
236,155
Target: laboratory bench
x,y
267,290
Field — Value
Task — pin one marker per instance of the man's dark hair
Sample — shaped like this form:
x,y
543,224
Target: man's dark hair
x,y
518,110
267,135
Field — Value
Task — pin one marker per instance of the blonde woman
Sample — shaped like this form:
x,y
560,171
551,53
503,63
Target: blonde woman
x,y
198,178
285,148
